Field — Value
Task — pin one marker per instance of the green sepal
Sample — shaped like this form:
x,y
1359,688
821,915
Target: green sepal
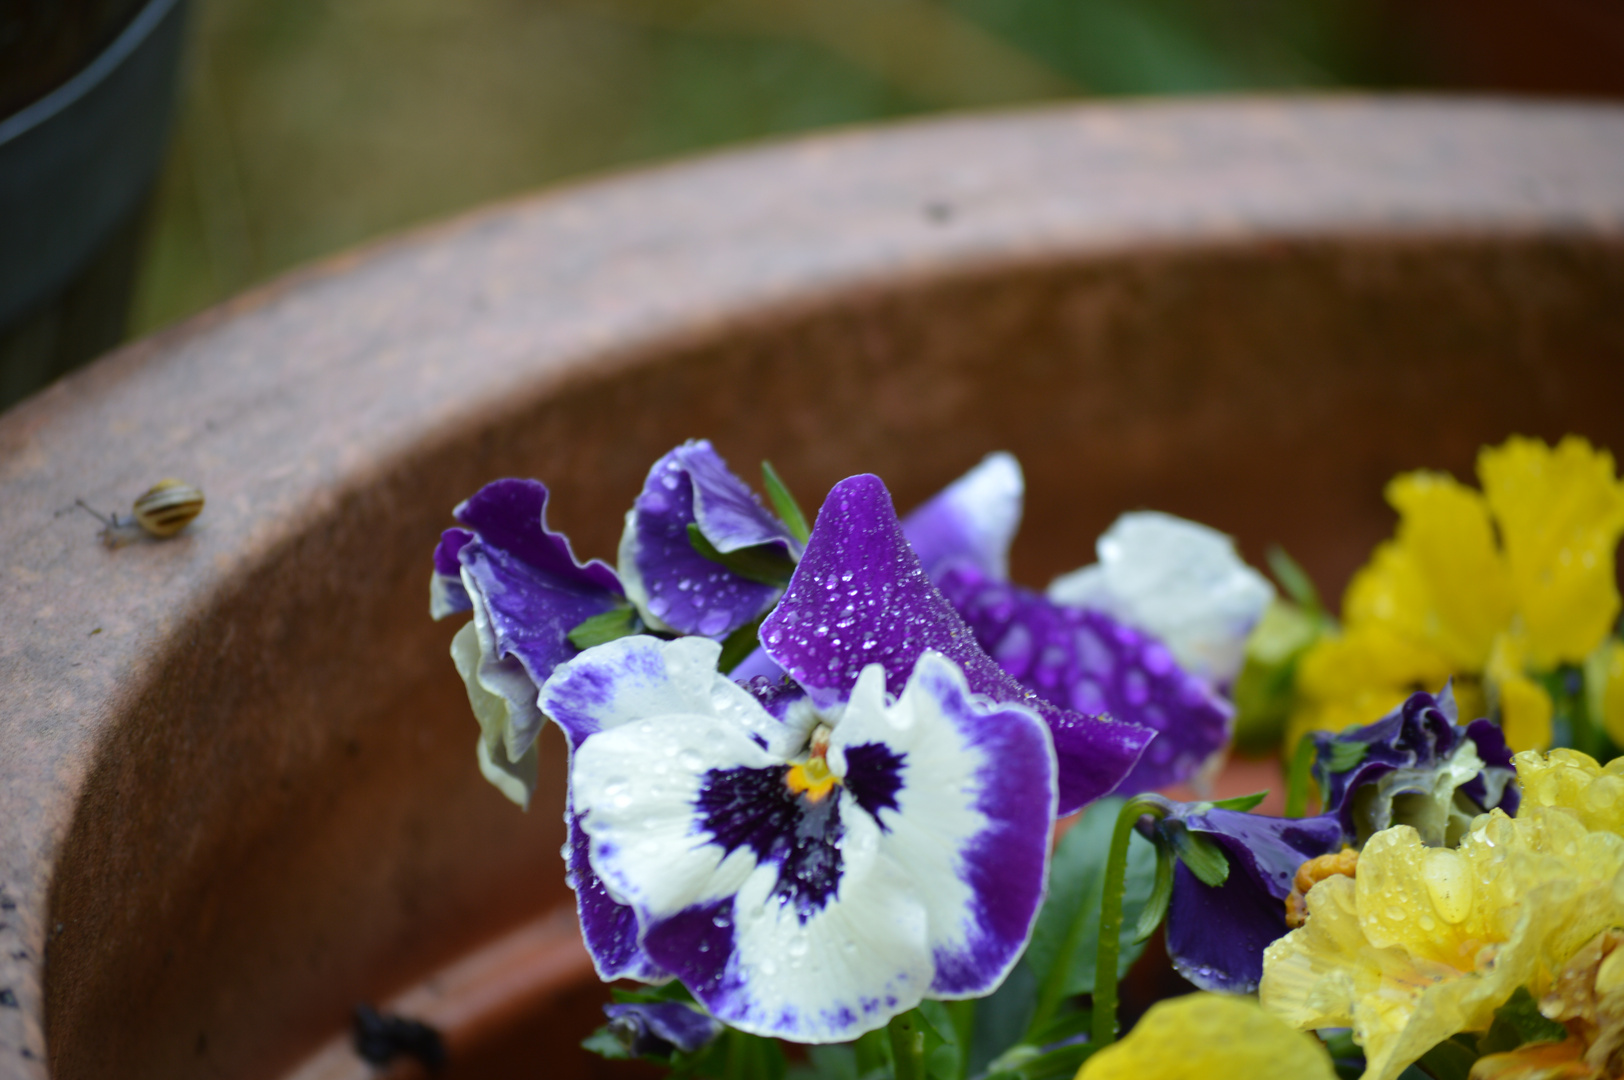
x,y
1344,755
1242,803
1161,894
789,511
1205,858
762,563
1294,579
1519,1022
617,622
603,1043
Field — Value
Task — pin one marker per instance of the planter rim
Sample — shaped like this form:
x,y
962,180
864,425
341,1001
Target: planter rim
x,y
399,345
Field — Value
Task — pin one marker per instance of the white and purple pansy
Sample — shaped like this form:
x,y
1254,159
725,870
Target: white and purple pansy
x,y
810,876
973,519
691,498
526,591
860,596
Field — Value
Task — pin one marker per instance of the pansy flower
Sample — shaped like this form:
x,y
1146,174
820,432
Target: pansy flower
x,y
1216,934
1416,766
814,857
661,1028
1499,585
1087,647
527,591
1425,942
692,501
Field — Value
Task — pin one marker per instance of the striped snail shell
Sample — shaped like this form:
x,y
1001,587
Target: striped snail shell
x,y
168,506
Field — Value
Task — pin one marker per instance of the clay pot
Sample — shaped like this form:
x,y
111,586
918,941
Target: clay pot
x,y
239,791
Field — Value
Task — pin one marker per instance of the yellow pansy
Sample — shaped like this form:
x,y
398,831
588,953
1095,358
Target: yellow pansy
x,y
1210,1035
1428,942
1489,585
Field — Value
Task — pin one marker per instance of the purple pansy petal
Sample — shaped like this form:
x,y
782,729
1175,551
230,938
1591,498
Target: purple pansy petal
x,y
726,510
639,676
1216,934
511,515
860,596
1089,662
1418,749
758,663
446,594
974,518
816,919
675,587
657,1028
1179,581
608,927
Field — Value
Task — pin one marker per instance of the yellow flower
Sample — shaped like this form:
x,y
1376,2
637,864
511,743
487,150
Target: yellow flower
x,y
1428,942
1496,584
1210,1035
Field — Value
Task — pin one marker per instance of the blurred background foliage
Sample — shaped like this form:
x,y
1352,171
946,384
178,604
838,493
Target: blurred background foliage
x,y
309,125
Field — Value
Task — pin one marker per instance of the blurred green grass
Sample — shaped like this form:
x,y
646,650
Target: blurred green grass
x,y
306,126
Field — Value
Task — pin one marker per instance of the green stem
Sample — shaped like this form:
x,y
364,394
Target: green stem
x,y
1109,946
908,1046
963,1015
1302,765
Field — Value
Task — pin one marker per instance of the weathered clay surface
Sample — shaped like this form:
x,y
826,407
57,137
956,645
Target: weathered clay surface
x,y
236,769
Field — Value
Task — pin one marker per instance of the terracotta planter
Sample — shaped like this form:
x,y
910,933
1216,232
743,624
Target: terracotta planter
x,y
238,786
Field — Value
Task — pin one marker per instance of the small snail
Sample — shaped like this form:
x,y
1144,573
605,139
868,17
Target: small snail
x,y
163,510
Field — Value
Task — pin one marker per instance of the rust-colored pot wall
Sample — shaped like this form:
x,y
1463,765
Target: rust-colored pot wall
x,y
238,782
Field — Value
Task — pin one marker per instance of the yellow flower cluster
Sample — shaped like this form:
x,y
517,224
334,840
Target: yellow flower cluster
x,y
1491,585
1428,942
1210,1035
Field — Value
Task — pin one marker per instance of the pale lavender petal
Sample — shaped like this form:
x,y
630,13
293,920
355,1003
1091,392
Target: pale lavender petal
x,y
860,596
673,585
657,1028
608,928
974,518
1087,661
758,663
726,510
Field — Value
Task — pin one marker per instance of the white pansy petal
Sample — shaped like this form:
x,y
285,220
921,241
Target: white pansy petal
x,y
635,677
963,791
1178,581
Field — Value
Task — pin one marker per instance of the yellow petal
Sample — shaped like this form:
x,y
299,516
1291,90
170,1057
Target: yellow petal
x,y
1210,1035
1604,686
1560,513
1428,942
1572,782
1358,678
1441,584
1525,707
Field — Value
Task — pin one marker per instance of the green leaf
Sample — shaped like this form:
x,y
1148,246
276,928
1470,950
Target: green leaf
x,y
789,511
836,1061
1449,1060
1519,1022
615,623
1205,858
1002,1018
739,644
603,1043
1242,803
1297,777
1293,578
1344,755
1076,879
763,563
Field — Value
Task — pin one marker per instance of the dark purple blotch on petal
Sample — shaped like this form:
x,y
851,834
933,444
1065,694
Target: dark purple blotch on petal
x,y
860,596
656,1029
874,776
685,590
1088,662
695,945
608,927
754,808
1414,740
1216,934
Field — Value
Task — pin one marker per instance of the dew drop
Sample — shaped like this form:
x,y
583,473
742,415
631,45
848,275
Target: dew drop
x,y
1449,884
